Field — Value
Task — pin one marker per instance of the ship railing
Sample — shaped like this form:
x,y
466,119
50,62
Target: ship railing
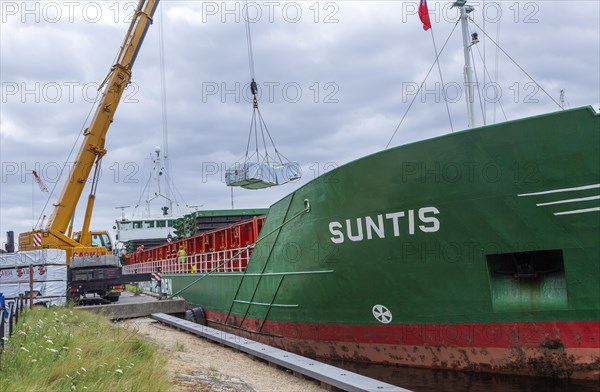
x,y
228,260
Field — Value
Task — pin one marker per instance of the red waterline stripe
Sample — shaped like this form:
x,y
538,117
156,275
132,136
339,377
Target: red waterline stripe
x,y
572,334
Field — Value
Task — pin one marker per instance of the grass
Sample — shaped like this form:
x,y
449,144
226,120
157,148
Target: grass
x,y
64,349
213,373
135,289
179,347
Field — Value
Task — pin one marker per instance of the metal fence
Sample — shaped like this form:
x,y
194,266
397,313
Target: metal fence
x,y
230,260
10,312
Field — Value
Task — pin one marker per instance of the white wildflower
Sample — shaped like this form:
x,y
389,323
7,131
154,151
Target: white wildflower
x,y
64,347
22,333
24,349
34,360
49,341
119,371
83,369
77,349
52,350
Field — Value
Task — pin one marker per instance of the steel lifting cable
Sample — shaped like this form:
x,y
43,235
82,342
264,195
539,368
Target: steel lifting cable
x,y
171,188
254,126
259,170
279,155
253,85
163,93
262,133
249,44
249,135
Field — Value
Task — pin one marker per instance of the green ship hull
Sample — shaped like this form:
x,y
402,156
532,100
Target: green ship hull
x,y
476,250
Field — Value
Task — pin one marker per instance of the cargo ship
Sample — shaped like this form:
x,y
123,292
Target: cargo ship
x,y
478,250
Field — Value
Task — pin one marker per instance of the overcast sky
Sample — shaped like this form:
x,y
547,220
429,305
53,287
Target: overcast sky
x,y
336,79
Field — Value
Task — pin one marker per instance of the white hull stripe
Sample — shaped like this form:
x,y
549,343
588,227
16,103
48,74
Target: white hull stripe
x,y
569,201
578,188
578,211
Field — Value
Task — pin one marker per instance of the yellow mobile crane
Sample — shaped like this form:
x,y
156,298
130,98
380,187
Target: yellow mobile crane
x,y
58,232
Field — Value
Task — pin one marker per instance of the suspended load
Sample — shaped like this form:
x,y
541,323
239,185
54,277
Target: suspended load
x,y
263,165
261,168
254,175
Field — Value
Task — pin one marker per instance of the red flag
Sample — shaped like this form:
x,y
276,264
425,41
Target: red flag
x,y
40,182
424,15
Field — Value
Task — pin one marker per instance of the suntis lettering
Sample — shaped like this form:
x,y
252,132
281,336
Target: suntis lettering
x,y
402,222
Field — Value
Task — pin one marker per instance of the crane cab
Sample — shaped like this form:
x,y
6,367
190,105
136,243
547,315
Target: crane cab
x,y
101,238
98,239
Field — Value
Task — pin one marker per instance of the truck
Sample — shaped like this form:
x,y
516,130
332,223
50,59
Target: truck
x,y
92,266
96,275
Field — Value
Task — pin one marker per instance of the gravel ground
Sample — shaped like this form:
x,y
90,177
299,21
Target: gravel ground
x,y
196,364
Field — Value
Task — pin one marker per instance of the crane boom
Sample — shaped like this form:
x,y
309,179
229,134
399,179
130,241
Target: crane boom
x,y
92,148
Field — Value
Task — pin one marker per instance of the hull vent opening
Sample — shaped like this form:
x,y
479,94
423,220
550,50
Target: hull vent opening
x,y
528,281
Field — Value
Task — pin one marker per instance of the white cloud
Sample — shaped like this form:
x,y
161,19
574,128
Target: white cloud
x,y
354,75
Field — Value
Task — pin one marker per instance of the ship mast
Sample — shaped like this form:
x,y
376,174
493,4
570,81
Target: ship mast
x,y
160,170
465,10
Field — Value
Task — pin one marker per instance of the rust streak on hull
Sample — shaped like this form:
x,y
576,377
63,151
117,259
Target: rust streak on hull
x,y
576,363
